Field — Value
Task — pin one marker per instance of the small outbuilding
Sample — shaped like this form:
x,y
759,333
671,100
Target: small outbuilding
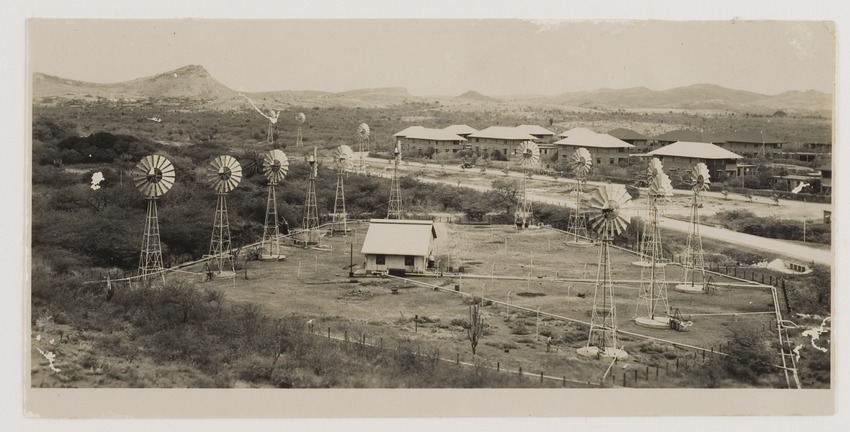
x,y
393,244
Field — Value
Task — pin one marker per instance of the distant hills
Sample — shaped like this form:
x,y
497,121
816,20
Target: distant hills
x,y
193,84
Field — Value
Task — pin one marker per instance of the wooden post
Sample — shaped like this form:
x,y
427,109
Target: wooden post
x,y
457,359
329,332
703,356
564,381
416,323
762,278
519,372
677,363
382,343
646,376
656,372
541,377
346,335
498,366
636,376
667,368
624,379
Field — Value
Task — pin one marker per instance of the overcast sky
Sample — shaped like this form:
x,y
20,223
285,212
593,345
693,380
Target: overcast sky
x,y
445,57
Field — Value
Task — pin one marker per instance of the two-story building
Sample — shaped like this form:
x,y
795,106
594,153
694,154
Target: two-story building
x,y
404,245
542,135
427,141
505,140
603,148
680,157
751,143
641,143
461,130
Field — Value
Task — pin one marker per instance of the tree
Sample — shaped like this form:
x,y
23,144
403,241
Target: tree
x,y
475,326
504,194
749,354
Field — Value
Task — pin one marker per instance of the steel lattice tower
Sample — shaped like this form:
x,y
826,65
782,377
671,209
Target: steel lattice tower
x,y
603,318
394,208
524,214
652,299
578,219
694,260
271,230
150,262
310,221
220,247
581,162
340,217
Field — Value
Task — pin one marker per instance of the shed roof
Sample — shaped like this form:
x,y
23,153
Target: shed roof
x,y
626,134
593,140
399,237
535,130
689,136
424,133
750,137
691,149
460,129
503,132
403,133
576,131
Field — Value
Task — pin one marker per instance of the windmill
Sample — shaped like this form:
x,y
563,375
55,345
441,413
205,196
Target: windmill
x,y
224,174
344,160
394,208
271,116
529,155
310,222
362,144
694,280
581,163
300,118
275,167
652,310
153,176
607,203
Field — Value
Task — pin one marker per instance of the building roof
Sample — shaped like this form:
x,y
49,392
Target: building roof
x,y
503,132
535,130
403,133
576,131
593,140
460,129
689,136
399,237
750,137
692,149
424,133
626,134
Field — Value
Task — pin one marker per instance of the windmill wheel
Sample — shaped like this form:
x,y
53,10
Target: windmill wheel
x,y
275,166
224,173
699,177
607,202
300,118
529,154
363,132
154,176
659,182
344,157
581,162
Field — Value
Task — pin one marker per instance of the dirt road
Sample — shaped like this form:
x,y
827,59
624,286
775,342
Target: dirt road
x,y
778,247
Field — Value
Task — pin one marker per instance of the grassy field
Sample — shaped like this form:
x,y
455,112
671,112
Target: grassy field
x,y
315,284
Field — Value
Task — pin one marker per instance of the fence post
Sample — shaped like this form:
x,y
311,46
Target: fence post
x,y
457,359
541,377
345,337
624,379
519,372
498,366
329,332
762,278
564,381
656,372
677,363
636,376
647,374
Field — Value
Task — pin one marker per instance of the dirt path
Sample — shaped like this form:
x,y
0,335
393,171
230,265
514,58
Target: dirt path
x,y
778,247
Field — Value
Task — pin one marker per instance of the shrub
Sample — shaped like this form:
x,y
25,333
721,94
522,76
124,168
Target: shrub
x,y
519,328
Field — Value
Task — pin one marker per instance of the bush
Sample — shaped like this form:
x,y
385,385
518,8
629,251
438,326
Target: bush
x,y
519,328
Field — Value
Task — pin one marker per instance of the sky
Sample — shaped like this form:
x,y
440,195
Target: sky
x,y
445,56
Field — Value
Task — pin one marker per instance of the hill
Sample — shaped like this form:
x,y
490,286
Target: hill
x,y
193,84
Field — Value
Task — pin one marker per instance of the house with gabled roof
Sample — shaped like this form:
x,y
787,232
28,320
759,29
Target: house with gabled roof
x,y
641,142
406,246
461,130
605,149
427,141
542,134
503,139
751,143
680,157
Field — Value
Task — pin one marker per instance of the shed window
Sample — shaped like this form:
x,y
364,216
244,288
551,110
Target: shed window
x,y
408,260
380,259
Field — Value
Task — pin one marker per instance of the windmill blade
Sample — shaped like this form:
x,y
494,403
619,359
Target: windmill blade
x,y
300,118
224,173
344,157
660,185
153,176
654,168
275,166
529,154
581,162
608,202
700,177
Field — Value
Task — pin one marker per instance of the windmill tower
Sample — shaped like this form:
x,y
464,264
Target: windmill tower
x,y
275,167
581,163
693,280
608,221
310,221
652,310
153,176
300,118
529,155
394,208
224,174
271,116
344,160
363,133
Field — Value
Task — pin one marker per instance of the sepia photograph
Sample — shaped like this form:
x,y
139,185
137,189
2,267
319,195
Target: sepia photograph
x,y
591,209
